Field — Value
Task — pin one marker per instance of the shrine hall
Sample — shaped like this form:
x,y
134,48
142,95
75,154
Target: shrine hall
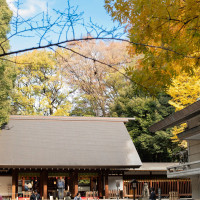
x,y
88,153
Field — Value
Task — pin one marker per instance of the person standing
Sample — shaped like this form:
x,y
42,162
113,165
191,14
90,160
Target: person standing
x,y
35,196
78,196
61,187
30,186
68,197
153,194
26,187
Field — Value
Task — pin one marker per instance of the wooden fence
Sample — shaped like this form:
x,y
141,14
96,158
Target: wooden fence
x,y
182,186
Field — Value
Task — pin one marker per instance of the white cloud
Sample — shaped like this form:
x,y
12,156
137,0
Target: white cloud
x,y
28,8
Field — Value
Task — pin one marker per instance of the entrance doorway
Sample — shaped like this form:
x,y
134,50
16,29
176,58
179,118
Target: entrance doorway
x,y
87,185
53,184
27,182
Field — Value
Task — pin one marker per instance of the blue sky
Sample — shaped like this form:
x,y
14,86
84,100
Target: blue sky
x,y
93,9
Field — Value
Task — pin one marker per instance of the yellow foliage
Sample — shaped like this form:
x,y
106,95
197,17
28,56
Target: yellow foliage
x,y
167,33
176,130
184,91
39,86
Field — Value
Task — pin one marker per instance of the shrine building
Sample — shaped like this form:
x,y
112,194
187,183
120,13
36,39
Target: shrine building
x,y
89,153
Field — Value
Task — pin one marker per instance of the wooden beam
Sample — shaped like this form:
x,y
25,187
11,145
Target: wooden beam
x,y
188,133
91,184
75,183
177,118
100,185
14,183
43,186
23,184
71,182
45,181
106,186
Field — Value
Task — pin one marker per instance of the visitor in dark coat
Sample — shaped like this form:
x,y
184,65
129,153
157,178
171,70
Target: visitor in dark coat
x,y
35,196
153,194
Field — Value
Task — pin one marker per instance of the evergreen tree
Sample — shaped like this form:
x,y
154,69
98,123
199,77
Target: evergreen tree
x,y
5,75
152,147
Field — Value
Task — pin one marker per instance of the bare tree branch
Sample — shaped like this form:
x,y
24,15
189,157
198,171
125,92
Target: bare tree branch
x,y
84,39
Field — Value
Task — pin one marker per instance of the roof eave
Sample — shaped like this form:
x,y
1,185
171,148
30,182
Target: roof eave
x,y
68,167
71,118
177,117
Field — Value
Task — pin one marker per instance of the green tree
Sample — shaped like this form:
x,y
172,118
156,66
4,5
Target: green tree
x,y
82,107
40,86
5,75
157,147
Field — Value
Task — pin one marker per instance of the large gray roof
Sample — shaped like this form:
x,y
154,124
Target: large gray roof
x,y
29,141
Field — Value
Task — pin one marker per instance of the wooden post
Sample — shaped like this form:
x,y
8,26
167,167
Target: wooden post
x,y
71,182
14,183
41,184
151,184
106,186
75,183
178,187
23,184
100,185
91,184
44,180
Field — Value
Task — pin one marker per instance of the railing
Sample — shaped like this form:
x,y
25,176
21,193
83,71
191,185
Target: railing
x,y
182,186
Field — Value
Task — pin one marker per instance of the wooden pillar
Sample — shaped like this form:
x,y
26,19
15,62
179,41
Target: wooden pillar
x,y
71,182
106,186
14,183
124,188
75,183
41,184
44,180
178,187
23,184
66,183
100,185
151,185
91,184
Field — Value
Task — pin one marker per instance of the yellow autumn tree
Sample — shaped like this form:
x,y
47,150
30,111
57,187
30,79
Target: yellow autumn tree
x,y
184,91
40,87
167,33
